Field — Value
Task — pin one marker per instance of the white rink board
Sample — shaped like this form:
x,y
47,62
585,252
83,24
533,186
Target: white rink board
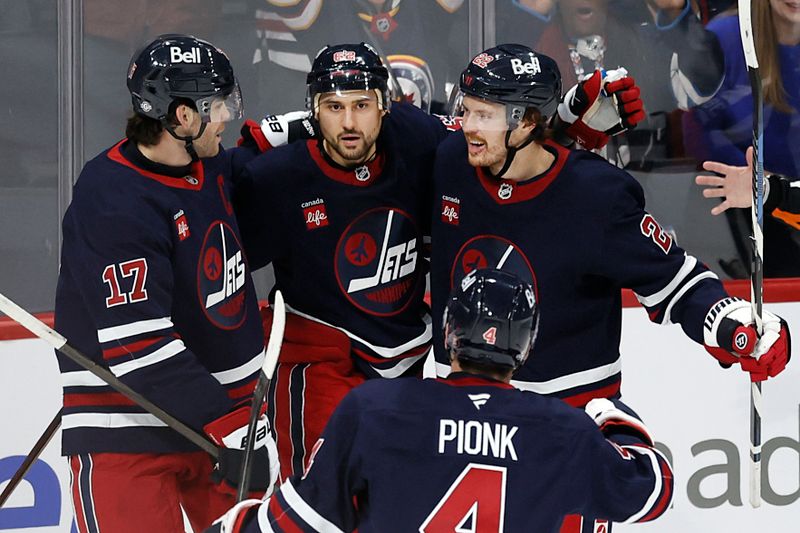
x,y
688,402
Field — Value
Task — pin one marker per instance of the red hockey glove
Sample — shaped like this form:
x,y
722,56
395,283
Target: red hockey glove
x,y
277,130
614,421
230,433
601,106
235,520
730,337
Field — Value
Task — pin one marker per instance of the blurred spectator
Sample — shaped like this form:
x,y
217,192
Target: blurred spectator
x,y
722,129
661,43
425,42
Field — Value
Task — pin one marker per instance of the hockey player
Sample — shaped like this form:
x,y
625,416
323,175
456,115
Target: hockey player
x,y
469,452
506,197
154,286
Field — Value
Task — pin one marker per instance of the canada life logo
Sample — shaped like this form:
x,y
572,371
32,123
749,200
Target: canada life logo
x,y
376,261
451,207
221,277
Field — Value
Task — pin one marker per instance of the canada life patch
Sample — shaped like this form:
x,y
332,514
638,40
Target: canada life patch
x,y
221,277
376,261
451,207
314,214
491,251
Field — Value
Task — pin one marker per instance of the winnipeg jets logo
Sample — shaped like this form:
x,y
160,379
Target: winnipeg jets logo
x,y
479,400
233,278
505,191
394,263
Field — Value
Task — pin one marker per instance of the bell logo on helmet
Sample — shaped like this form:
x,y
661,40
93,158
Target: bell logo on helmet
x,y
344,55
482,59
533,67
176,55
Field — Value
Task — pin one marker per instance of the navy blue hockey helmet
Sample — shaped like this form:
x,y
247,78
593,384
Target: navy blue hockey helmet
x,y
492,319
348,67
182,66
514,75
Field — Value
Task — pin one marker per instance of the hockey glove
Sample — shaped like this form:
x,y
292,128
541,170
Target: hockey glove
x,y
277,130
230,434
613,421
235,520
729,335
603,105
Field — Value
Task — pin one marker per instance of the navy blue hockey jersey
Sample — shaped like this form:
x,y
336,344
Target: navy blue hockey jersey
x,y
579,233
464,454
346,245
155,287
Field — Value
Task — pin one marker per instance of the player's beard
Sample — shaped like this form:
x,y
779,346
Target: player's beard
x,y
359,153
490,154
207,145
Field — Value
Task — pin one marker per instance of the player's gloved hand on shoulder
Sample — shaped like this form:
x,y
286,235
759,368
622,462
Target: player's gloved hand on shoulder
x,y
603,105
230,434
236,518
277,130
613,421
730,336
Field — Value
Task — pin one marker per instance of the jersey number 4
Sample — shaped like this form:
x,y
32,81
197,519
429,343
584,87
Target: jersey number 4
x,y
474,502
136,268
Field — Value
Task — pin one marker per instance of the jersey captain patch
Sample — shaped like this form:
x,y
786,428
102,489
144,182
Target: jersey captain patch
x,y
221,277
376,261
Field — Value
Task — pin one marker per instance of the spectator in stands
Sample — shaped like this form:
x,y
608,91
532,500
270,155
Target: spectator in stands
x,y
661,43
721,129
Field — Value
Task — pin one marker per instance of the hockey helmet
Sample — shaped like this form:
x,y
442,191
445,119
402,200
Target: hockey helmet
x,y
491,319
182,66
514,75
347,67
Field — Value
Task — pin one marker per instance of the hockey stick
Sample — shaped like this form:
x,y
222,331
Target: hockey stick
x,y
757,216
260,392
57,341
34,454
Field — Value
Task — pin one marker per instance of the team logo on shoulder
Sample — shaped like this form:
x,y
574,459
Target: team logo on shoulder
x,y
451,207
222,276
314,214
505,191
181,225
490,251
376,261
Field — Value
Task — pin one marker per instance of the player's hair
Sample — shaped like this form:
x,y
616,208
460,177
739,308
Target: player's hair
x,y
495,371
147,131
769,61
541,132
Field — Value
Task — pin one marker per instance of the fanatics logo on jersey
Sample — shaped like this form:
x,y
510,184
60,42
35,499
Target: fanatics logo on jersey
x,y
314,214
479,400
181,225
450,210
505,191
362,173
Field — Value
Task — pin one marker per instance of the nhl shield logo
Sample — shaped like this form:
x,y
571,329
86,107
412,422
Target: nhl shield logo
x,y
362,173
505,191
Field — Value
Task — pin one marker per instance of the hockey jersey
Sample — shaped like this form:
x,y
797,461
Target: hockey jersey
x,y
346,244
464,454
579,233
155,287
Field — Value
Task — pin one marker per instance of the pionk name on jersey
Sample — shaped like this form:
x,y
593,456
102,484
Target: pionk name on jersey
x,y
477,438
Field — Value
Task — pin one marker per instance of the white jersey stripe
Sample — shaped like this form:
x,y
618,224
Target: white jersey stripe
x,y
570,381
263,518
689,262
398,369
165,352
240,372
306,512
689,284
110,420
653,498
134,328
81,378
383,351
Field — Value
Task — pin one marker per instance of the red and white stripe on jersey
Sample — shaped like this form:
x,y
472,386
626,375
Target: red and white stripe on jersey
x,y
290,512
660,497
130,347
659,304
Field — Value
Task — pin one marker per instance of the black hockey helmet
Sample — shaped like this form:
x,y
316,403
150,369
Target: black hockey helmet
x,y
514,75
182,66
492,319
348,67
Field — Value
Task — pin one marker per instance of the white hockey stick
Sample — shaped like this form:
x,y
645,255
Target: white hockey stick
x,y
757,215
260,392
57,341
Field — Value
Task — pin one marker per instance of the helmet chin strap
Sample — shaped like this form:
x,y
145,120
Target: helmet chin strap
x,y
188,140
512,150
